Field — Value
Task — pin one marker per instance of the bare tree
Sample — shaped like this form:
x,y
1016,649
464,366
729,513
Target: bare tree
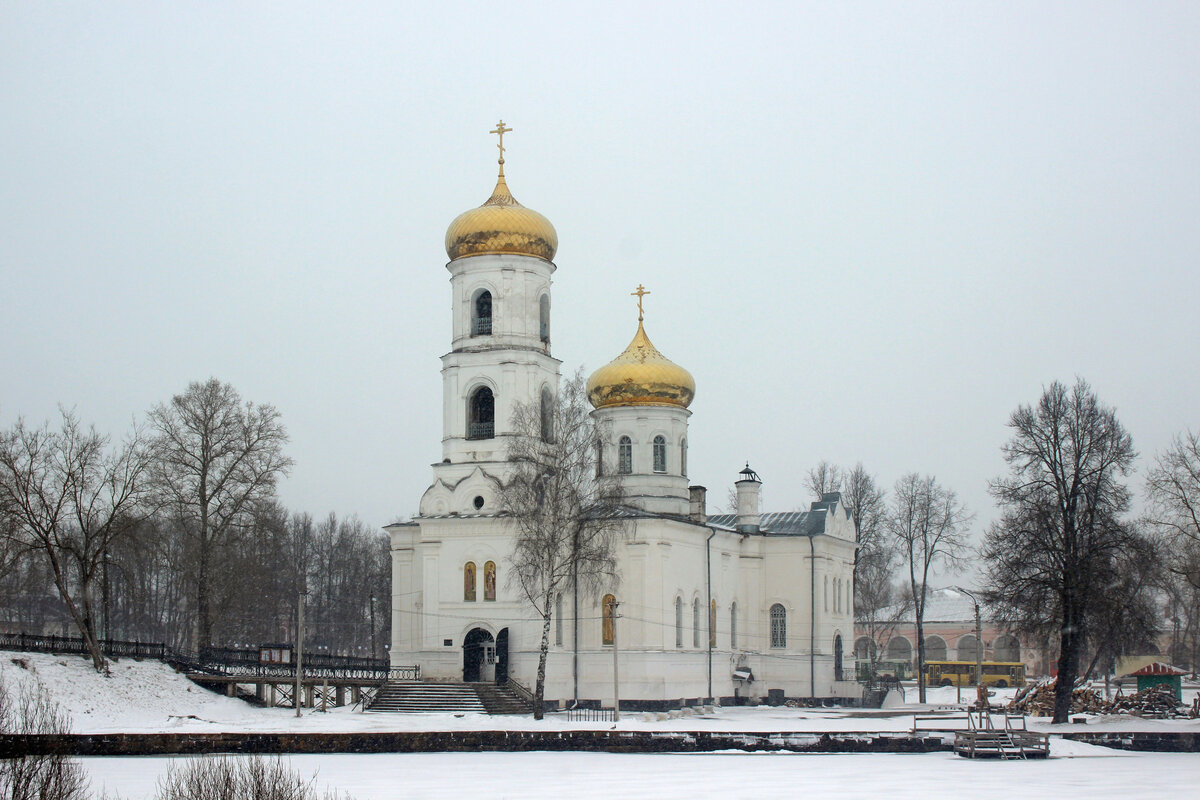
x,y
1173,512
26,709
67,496
1061,526
879,606
565,508
824,478
1173,486
929,525
215,459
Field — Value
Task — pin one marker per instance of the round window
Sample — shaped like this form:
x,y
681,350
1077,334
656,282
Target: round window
x,y
479,501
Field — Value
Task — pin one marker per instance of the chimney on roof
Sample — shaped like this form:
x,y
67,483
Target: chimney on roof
x,y
749,494
698,511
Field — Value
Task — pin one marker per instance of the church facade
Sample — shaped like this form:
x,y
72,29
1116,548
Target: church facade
x,y
742,606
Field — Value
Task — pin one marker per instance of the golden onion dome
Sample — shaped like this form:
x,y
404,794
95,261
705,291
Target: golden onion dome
x,y
641,376
501,225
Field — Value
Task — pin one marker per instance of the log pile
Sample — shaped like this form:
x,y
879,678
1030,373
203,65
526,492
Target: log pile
x,y
1157,701
1038,701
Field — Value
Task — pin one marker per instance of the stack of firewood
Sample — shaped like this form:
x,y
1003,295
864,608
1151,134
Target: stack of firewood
x,y
1037,700
1157,701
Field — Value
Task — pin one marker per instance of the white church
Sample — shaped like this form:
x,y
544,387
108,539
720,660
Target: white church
x,y
742,607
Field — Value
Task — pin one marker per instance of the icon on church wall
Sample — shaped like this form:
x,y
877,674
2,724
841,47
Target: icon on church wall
x,y
489,580
469,582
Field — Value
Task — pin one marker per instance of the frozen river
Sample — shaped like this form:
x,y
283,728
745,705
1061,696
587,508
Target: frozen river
x,y
1080,771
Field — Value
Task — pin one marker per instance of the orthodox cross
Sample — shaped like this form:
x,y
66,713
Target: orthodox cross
x,y
639,294
500,129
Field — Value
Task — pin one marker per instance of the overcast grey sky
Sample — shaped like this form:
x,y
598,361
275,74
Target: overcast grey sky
x,y
870,230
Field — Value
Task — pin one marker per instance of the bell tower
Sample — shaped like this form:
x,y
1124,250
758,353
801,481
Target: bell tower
x,y
501,263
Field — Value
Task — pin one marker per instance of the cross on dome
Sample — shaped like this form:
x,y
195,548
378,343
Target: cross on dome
x,y
639,294
501,130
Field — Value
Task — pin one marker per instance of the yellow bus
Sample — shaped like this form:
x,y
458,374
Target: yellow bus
x,y
962,673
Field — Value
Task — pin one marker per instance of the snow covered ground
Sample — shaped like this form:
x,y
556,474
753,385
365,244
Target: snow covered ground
x,y
148,696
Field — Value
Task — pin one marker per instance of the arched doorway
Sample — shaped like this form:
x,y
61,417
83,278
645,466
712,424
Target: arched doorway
x,y
479,656
502,656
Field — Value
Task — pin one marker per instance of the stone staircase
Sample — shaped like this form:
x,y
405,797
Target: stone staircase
x,y
435,696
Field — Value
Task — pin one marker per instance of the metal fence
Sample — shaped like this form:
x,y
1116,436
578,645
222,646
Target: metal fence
x,y
223,661
38,643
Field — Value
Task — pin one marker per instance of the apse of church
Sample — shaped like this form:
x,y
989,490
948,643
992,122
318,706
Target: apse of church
x,y
721,606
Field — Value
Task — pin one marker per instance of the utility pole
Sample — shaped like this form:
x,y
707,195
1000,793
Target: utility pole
x,y
616,682
299,649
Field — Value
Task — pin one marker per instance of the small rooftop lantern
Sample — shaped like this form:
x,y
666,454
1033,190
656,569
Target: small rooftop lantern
x,y
749,475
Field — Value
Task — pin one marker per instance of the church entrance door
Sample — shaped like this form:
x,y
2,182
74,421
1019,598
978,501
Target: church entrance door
x,y
479,656
502,656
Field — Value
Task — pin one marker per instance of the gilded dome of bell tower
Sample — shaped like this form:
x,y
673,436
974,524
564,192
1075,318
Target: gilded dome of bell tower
x,y
501,225
641,376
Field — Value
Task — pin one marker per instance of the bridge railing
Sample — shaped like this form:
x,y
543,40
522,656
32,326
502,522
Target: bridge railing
x,y
219,661
47,643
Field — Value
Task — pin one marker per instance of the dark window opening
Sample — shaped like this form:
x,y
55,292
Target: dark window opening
x,y
481,423
544,317
547,416
481,317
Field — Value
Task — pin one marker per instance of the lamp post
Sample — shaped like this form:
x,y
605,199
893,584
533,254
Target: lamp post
x,y
299,649
978,646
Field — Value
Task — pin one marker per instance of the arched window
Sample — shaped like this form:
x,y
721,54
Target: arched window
x,y
837,596
778,626
489,580
625,456
826,592
481,423
544,317
712,624
558,620
733,627
608,612
696,622
469,582
679,622
547,415
599,458
481,314
837,658
660,454
683,457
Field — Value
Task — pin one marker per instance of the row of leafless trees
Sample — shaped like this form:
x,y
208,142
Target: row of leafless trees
x,y
173,534
1066,561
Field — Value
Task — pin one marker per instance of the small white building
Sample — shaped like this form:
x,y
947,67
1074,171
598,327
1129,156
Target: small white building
x,y
746,605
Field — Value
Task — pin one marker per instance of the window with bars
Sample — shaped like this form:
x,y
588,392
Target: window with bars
x,y
660,454
481,314
625,456
481,419
778,626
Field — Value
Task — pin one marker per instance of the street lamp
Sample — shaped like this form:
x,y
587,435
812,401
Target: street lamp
x,y
978,647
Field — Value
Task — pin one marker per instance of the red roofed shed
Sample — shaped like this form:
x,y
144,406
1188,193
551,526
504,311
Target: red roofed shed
x,y
1157,674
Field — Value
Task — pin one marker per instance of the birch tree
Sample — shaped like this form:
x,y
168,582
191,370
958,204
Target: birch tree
x,y
565,508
